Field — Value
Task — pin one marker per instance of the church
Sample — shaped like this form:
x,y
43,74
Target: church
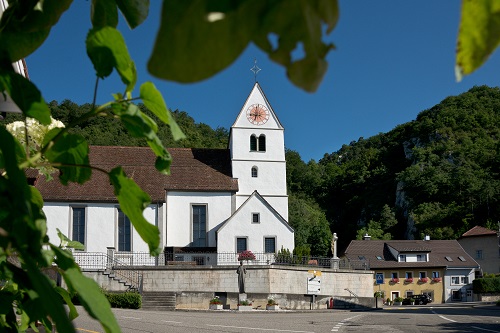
x,y
214,201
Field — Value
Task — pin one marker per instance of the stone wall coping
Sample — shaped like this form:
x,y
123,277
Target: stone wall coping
x,y
248,267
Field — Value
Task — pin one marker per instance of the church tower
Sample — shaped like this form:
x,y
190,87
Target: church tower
x,y
257,146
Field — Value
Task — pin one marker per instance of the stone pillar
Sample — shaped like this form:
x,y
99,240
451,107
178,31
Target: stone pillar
x,y
110,258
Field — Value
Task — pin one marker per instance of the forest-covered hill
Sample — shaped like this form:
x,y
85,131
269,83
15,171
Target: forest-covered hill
x,y
437,175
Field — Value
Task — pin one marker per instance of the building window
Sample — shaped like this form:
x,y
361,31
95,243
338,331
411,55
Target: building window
x,y
409,293
79,224
255,218
253,143
124,232
455,280
464,280
479,254
257,144
199,225
435,275
262,143
241,244
422,275
409,275
254,172
421,257
456,295
270,245
402,257
394,275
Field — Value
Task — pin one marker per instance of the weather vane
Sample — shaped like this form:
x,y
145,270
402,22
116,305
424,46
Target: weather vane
x,y
255,69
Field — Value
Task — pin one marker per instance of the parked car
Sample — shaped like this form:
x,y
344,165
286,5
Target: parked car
x,y
419,299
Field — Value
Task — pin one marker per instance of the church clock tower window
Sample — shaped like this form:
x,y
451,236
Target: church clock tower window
x,y
253,143
257,144
255,172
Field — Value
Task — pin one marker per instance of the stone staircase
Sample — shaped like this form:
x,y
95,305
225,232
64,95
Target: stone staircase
x,y
120,280
158,301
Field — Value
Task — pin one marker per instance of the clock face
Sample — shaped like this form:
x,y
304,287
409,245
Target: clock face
x,y
257,114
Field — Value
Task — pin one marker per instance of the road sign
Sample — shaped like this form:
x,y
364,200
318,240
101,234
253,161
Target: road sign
x,y
379,278
313,285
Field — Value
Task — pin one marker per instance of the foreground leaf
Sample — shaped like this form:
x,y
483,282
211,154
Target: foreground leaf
x,y
140,125
26,25
133,201
134,11
26,96
478,36
70,155
154,101
106,49
206,27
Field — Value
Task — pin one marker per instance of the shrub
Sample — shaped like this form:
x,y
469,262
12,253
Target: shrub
x,y
486,285
398,299
245,302
271,301
126,300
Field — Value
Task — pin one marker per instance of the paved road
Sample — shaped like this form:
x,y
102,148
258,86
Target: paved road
x,y
407,319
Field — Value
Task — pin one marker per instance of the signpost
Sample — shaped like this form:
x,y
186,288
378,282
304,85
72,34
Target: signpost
x,y
314,285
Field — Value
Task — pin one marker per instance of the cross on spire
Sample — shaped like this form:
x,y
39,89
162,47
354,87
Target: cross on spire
x,y
255,69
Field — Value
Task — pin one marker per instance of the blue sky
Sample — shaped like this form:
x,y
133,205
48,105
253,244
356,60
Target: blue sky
x,y
392,60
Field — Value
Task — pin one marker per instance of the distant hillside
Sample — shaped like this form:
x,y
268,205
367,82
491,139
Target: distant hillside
x,y
107,131
437,175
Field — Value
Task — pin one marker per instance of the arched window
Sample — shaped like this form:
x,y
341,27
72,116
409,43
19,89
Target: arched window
x,y
262,143
254,172
253,143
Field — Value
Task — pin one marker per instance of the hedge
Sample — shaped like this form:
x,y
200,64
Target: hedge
x,y
486,285
126,300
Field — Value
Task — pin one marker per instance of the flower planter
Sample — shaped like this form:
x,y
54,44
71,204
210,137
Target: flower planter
x,y
215,307
245,308
273,307
398,303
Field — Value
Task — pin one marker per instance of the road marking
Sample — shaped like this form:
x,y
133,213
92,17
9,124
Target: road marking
x,y
453,321
484,329
131,318
82,329
343,322
260,329
173,322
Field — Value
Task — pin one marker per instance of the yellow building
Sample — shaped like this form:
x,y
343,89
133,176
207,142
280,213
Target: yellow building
x,y
402,268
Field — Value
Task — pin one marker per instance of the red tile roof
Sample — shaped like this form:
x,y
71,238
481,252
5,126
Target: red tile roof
x,y
192,169
479,231
438,250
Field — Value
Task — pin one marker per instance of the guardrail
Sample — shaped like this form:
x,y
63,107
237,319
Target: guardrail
x,y
95,260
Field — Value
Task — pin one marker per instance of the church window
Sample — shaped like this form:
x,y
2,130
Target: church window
x,y
199,225
241,244
253,143
79,224
254,172
270,245
262,143
257,143
124,232
255,218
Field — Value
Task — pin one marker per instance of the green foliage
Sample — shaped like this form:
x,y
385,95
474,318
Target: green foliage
x,y
206,27
478,36
310,224
486,285
127,300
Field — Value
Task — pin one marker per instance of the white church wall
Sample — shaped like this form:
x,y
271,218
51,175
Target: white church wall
x,y
101,225
179,219
240,144
241,225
